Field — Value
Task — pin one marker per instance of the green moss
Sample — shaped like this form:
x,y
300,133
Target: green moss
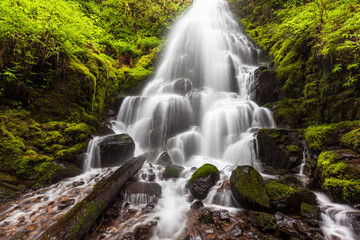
x,y
204,171
352,140
317,137
251,186
343,190
278,191
310,211
292,149
70,153
273,133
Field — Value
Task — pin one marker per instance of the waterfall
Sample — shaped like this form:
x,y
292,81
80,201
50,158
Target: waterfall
x,y
197,107
197,103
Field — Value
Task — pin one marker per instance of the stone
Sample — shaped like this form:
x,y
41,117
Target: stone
x,y
280,148
65,203
116,150
291,227
206,216
143,232
104,130
161,157
172,171
264,89
140,187
78,183
197,205
266,222
235,231
202,180
248,188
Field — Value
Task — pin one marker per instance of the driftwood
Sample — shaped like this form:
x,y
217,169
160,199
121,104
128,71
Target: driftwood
x,y
77,222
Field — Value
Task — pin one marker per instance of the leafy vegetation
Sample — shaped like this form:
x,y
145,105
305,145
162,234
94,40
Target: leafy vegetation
x,y
315,46
61,64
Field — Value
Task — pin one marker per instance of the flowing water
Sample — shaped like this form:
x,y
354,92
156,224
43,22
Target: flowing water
x,y
197,108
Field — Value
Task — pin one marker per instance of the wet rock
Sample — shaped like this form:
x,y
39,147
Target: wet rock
x,y
288,199
180,86
150,206
206,216
152,189
128,236
104,130
291,227
65,203
202,180
161,157
151,177
248,188
172,171
310,211
223,215
266,222
235,231
280,148
78,183
116,149
264,88
197,205
143,232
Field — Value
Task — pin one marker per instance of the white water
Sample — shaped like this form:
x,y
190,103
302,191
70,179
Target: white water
x,y
336,220
198,108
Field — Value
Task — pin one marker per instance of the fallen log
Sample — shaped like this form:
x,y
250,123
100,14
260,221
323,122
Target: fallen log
x,y
77,222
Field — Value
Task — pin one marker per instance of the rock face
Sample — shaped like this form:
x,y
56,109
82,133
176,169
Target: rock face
x,y
264,88
160,156
202,180
141,192
280,148
248,188
116,149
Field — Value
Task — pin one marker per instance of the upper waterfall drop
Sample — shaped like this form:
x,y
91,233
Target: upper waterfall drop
x,y
197,102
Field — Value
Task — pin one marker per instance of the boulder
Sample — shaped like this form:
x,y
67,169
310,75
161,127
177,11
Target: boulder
x,y
149,192
266,222
288,199
264,89
248,188
172,171
116,149
161,157
202,180
281,148
291,227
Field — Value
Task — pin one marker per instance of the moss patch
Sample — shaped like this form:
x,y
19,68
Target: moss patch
x,y
204,171
352,140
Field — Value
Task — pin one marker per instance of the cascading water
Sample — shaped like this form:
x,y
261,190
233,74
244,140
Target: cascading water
x,y
197,107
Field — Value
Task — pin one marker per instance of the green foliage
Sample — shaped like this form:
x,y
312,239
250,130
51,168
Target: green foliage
x,y
352,140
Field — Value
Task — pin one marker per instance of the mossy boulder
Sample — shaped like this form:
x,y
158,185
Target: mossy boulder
x,y
288,113
202,180
288,199
172,171
310,211
116,149
266,222
280,148
338,174
248,188
352,140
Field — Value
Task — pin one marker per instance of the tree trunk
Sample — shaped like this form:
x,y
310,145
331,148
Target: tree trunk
x,y
77,222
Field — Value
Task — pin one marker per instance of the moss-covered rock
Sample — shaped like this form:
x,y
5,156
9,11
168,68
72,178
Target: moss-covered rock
x,y
266,222
318,137
352,140
339,178
203,179
248,188
172,171
310,211
280,148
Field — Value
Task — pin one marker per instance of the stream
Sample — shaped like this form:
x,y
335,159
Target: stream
x,y
197,108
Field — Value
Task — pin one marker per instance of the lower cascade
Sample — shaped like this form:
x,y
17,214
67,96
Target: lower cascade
x,y
195,114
